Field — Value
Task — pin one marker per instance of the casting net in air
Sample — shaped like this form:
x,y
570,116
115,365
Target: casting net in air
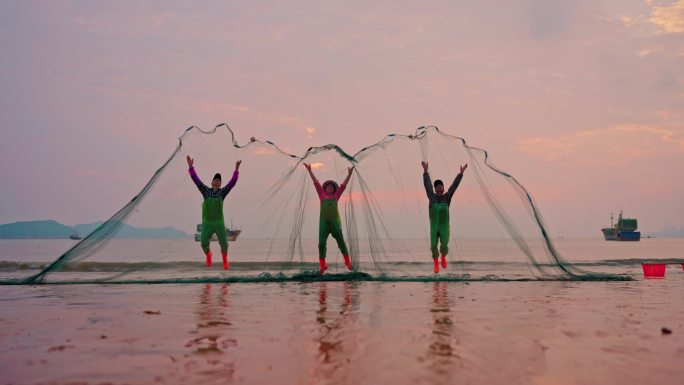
x,y
496,230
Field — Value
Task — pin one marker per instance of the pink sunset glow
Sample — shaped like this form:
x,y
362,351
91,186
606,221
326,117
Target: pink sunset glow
x,y
580,101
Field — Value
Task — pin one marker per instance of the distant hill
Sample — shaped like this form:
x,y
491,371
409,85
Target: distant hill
x,y
35,229
669,232
54,230
131,232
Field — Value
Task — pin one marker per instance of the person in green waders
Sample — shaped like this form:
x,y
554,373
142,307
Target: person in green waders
x,y
439,213
330,223
212,210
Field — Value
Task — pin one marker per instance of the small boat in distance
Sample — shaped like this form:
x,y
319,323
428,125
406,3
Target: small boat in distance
x,y
623,230
231,234
75,236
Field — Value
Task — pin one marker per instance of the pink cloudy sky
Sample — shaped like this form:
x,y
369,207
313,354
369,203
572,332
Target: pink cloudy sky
x,y
581,100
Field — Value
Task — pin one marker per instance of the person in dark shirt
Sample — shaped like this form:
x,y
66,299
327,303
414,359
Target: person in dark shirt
x,y
439,203
212,210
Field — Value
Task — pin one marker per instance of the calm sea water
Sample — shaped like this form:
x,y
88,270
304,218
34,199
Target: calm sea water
x,y
183,259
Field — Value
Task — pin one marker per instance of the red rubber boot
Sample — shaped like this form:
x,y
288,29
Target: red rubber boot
x,y
436,265
347,262
209,258
324,266
226,265
444,262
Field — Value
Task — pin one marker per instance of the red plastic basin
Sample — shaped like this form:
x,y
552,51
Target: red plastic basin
x,y
654,270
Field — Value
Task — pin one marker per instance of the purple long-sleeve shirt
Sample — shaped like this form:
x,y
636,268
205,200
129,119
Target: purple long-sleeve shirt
x,y
208,192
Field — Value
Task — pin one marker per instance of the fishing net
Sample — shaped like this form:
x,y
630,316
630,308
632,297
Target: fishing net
x,y
497,231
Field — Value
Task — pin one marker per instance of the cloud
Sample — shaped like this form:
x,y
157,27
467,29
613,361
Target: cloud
x,y
669,19
218,106
210,106
648,18
120,22
627,20
310,131
263,151
548,19
648,51
610,146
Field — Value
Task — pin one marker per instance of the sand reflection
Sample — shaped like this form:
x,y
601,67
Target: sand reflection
x,y
442,357
335,341
210,355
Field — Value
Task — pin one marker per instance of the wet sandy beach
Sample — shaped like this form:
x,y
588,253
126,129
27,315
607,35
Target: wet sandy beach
x,y
345,333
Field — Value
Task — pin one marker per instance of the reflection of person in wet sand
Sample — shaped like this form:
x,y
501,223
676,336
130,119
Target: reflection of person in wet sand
x,y
213,308
441,353
212,327
332,350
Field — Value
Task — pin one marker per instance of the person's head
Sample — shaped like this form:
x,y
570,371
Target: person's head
x,y
330,187
216,182
439,187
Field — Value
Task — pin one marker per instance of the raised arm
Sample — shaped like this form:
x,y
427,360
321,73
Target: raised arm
x,y
343,186
231,183
317,184
456,182
193,175
427,182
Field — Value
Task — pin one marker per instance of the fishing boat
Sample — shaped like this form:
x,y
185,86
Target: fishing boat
x,y
624,230
231,234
